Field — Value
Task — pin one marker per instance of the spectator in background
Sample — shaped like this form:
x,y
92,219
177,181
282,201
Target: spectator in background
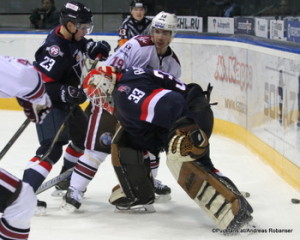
x,y
224,8
231,8
46,17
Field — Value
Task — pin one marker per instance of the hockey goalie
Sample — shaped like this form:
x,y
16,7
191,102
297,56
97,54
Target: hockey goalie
x,y
157,112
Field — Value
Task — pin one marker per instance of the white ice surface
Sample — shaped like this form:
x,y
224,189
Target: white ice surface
x,y
179,219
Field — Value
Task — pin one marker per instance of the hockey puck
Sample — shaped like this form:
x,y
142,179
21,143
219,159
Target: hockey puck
x,y
295,200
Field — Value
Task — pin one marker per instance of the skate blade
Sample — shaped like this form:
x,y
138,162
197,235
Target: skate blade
x,y
68,207
58,193
139,209
40,211
162,198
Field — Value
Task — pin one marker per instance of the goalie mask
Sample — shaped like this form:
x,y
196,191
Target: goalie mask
x,y
99,84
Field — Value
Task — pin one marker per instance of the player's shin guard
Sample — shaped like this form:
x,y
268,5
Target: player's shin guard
x,y
71,155
37,171
86,168
218,196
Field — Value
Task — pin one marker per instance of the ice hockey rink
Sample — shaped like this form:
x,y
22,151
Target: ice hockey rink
x,y
274,215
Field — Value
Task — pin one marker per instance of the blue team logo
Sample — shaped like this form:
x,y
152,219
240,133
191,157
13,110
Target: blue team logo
x,y
105,139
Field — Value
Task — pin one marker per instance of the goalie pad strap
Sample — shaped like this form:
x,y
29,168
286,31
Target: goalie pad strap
x,y
197,176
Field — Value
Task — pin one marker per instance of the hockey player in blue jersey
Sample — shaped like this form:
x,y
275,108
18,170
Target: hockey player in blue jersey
x,y
60,61
157,112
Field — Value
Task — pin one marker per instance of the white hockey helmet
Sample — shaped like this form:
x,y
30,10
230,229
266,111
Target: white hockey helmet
x,y
165,21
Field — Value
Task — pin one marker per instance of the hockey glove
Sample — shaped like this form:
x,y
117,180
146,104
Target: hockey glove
x,y
38,110
70,94
99,50
188,145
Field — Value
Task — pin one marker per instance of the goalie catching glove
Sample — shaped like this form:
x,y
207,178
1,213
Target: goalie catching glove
x,y
188,143
99,84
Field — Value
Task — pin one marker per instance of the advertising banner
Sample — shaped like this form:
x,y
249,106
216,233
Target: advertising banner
x,y
277,29
221,25
261,27
190,24
293,31
244,25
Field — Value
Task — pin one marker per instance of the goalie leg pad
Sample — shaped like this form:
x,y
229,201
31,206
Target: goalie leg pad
x,y
134,176
219,198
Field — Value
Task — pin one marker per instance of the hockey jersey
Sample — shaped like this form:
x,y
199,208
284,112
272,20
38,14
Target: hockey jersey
x,y
19,79
136,95
60,61
140,51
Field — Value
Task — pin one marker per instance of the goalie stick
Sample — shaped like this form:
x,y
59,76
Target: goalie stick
x,y
14,137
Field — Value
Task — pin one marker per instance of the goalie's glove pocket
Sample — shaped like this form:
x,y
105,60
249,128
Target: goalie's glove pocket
x,y
187,146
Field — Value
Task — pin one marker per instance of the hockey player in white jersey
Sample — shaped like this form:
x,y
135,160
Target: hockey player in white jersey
x,y
152,51
17,199
19,79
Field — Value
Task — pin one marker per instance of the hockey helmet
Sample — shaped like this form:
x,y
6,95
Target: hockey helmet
x,y
76,13
165,21
138,4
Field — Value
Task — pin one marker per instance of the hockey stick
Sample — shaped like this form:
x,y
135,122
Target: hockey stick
x,y
53,181
14,137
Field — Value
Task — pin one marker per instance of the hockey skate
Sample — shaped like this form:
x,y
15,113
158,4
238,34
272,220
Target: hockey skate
x,y
61,188
144,208
162,192
41,208
72,199
127,205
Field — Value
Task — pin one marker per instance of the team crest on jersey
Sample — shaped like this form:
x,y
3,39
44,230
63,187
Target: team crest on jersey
x,y
54,51
144,40
125,89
